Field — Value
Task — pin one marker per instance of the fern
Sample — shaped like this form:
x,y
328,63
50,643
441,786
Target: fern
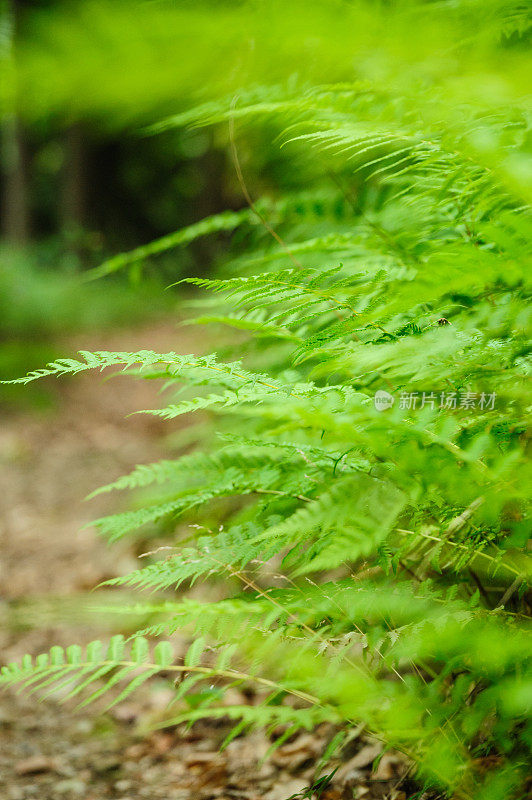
x,y
132,666
373,562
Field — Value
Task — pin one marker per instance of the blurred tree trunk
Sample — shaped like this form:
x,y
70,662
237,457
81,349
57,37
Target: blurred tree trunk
x,y
72,209
15,207
15,215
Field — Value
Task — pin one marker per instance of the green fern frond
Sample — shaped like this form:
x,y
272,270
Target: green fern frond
x,y
133,665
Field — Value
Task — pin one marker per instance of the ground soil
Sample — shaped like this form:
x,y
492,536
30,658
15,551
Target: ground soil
x,y
49,461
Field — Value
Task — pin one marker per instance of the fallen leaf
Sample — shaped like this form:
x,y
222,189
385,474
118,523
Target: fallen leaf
x,y
161,743
332,794
126,712
199,758
293,755
389,766
362,759
282,791
209,769
135,751
35,764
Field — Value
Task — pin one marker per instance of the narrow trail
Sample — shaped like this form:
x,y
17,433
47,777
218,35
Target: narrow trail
x,y
48,463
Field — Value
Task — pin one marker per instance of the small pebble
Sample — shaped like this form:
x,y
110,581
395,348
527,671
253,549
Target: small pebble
x,y
123,786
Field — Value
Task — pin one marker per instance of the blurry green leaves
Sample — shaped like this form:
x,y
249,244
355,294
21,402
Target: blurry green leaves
x,y
121,61
226,221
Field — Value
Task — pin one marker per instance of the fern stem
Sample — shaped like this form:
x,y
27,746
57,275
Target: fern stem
x,y
475,554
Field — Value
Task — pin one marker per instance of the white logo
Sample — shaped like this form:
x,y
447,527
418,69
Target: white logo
x,y
383,400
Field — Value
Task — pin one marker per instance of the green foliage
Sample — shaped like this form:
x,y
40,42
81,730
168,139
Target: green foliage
x,y
38,305
396,536
226,221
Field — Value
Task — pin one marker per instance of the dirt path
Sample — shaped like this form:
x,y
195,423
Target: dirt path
x,y
48,464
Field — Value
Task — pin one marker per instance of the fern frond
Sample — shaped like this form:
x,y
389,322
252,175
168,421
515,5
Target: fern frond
x,y
132,665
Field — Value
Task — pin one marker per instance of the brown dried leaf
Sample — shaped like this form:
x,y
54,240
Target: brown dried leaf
x,y
362,759
35,764
135,751
293,755
208,768
200,758
390,766
161,743
283,790
126,712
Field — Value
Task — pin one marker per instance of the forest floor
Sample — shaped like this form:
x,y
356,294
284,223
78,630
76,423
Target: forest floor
x,y
48,565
